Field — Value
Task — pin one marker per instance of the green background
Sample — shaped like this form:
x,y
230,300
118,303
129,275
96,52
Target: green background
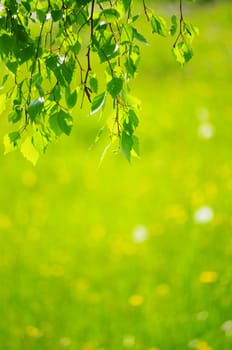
x,y
71,272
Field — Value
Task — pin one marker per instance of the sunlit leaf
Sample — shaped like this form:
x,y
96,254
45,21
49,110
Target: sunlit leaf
x,y
98,102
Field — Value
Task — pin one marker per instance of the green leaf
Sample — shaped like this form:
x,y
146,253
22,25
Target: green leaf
x,y
67,69
173,27
93,84
76,47
11,141
29,152
61,122
98,102
4,79
39,142
158,25
54,124
131,122
126,4
12,66
139,37
136,145
126,143
110,14
70,97
15,116
35,107
7,43
114,87
56,15
182,52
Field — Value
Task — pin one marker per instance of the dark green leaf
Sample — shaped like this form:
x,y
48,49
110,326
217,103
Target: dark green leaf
x,y
61,122
56,15
93,84
14,136
15,116
35,107
115,86
139,37
12,66
126,4
71,97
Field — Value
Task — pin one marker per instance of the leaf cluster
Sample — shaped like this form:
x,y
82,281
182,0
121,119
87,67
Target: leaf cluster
x,y
48,50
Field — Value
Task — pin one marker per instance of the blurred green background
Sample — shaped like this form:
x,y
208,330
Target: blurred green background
x,y
129,256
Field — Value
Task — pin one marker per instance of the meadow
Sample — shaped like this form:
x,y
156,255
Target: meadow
x,y
129,256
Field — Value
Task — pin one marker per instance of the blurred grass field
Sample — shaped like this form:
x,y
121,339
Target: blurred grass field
x,y
129,256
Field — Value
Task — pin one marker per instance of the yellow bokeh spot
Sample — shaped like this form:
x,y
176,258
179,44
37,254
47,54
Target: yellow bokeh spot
x,y
208,277
87,346
29,178
5,221
33,332
121,247
197,198
211,190
177,213
94,298
154,348
229,184
162,290
97,232
54,270
203,345
136,300
81,286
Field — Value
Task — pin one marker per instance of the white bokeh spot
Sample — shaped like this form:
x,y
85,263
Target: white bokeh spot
x,y
203,215
140,234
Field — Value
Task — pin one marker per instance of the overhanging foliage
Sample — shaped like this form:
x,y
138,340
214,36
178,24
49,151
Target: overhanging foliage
x,y
47,48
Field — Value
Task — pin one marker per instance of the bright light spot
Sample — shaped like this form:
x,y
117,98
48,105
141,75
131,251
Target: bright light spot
x,y
48,16
227,328
208,277
129,341
65,342
140,234
203,215
61,59
136,300
206,131
102,23
202,315
116,48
